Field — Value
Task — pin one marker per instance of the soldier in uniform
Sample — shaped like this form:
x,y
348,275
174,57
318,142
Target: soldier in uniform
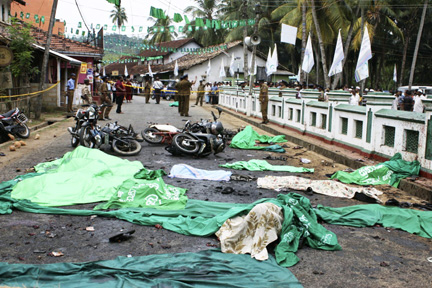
x,y
184,89
263,98
200,93
147,89
105,99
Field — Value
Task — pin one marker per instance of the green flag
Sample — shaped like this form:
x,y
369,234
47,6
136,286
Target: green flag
x,y
177,18
115,2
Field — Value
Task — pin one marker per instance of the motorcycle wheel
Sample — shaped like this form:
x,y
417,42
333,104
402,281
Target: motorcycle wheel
x,y
149,136
168,97
85,138
184,144
126,147
74,141
23,131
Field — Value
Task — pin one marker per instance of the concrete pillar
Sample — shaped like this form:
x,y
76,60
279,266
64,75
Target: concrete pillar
x,y
58,86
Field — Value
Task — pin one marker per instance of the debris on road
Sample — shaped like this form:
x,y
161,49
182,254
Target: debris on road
x,y
55,254
90,229
122,236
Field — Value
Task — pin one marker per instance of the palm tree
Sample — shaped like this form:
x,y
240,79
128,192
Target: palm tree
x,y
160,36
118,16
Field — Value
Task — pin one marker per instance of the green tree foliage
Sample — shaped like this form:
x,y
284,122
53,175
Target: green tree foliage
x,y
118,16
160,36
21,45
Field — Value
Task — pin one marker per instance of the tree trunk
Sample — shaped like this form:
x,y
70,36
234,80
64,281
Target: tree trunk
x,y
346,48
413,65
321,45
404,56
38,109
303,38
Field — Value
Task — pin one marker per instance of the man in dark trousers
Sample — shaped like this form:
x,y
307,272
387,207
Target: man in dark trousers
x,y
105,99
184,89
70,89
157,86
263,98
120,94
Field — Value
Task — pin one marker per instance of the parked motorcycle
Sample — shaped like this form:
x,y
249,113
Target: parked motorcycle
x,y
88,114
120,139
209,139
14,122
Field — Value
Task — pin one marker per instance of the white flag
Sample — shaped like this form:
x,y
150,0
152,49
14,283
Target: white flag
x,y
288,34
267,67
298,74
273,62
222,73
362,68
308,60
176,69
150,71
336,66
126,72
250,66
395,74
232,67
104,74
208,69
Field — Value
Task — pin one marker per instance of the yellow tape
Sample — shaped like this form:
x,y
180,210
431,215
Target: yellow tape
x,y
139,87
33,93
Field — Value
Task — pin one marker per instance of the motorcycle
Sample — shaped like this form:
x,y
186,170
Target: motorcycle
x,y
159,133
120,139
210,138
89,115
14,122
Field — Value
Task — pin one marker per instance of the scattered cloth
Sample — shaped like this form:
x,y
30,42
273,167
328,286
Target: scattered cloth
x,y
203,269
146,193
262,165
81,176
389,172
149,174
325,187
174,104
247,138
238,177
251,233
409,220
189,172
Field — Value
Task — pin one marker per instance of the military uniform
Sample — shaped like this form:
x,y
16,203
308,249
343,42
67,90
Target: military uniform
x,y
105,99
184,89
147,91
200,94
263,98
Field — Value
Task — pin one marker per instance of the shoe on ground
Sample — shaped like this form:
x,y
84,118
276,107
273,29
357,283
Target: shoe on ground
x,y
102,119
107,118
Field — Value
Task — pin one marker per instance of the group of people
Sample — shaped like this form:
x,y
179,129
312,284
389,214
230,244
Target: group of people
x,y
409,101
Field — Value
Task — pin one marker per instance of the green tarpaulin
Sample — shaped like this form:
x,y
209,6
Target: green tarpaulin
x,y
146,193
174,104
247,139
203,269
262,165
389,172
412,221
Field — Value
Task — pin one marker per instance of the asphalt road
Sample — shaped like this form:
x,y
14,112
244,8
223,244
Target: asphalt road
x,y
371,257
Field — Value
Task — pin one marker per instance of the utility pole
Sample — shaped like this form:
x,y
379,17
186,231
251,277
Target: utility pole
x,y
304,10
257,18
38,109
245,49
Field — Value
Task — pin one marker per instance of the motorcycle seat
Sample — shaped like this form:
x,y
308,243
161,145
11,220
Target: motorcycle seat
x,y
7,114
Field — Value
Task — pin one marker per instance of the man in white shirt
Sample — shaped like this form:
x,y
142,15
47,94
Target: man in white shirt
x,y
418,104
157,86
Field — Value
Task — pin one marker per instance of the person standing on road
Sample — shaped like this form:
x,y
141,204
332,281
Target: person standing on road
x,y
157,86
263,98
184,88
147,89
86,93
207,93
408,101
105,99
120,93
113,89
70,89
200,93
129,90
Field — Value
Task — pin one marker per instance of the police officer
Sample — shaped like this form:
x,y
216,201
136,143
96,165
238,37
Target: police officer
x,y
184,89
105,99
263,98
200,93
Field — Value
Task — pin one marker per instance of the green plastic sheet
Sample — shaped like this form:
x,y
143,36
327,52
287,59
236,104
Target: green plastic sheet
x,y
150,174
174,104
412,221
147,193
247,139
389,172
262,165
81,176
203,269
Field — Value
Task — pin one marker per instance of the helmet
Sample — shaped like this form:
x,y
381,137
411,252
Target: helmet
x,y
216,128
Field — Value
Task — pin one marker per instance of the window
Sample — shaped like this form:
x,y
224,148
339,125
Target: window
x,y
411,141
389,136
280,111
344,126
358,129
290,114
298,115
273,110
323,121
313,119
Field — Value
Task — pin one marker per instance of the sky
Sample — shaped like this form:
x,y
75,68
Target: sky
x,y
98,12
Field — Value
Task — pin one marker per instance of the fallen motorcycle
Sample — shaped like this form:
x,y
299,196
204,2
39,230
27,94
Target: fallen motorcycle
x,y
14,122
159,133
120,139
209,139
